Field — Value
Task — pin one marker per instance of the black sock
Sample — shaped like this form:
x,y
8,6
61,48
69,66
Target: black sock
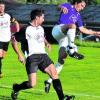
x,y
58,88
0,65
22,86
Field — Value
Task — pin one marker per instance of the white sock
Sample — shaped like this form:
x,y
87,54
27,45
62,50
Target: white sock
x,y
71,36
49,80
58,67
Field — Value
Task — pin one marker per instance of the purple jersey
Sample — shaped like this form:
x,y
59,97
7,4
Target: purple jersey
x,y
72,17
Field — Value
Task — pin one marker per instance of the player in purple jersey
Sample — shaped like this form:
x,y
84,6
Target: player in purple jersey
x,y
64,33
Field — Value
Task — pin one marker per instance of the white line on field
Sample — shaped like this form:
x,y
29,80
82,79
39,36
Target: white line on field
x,y
77,94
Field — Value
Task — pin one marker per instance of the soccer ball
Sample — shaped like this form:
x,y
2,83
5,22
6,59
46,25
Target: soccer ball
x,y
71,51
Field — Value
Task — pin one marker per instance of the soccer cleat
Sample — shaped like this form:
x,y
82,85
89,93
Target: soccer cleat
x,y
77,56
14,94
47,86
67,97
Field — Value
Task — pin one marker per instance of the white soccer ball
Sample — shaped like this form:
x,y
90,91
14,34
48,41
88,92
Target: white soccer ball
x,y
71,51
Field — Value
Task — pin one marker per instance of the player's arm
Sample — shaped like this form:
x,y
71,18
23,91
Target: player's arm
x,y
47,44
16,49
15,23
89,31
85,30
62,8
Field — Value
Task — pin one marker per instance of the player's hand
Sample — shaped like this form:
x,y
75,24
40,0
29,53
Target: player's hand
x,y
64,10
49,47
21,59
98,33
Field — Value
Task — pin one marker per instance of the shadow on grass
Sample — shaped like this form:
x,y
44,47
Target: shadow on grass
x,y
2,97
5,97
8,98
38,93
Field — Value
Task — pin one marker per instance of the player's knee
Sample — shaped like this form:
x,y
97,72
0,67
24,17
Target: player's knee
x,y
72,26
54,76
1,54
62,55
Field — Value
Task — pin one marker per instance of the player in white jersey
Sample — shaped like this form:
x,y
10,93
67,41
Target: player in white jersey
x,y
5,33
38,58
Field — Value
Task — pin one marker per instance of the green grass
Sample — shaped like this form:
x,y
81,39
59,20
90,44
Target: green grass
x,y
78,77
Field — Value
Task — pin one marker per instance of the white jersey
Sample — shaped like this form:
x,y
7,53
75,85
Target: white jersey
x,y
35,39
5,33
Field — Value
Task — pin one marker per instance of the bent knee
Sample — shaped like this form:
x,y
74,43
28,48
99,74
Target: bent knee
x,y
54,75
73,26
1,54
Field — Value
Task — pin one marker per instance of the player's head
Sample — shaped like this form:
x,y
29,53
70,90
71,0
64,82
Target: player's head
x,y
2,7
79,4
38,15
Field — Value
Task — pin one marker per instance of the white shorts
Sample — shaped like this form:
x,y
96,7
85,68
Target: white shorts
x,y
59,36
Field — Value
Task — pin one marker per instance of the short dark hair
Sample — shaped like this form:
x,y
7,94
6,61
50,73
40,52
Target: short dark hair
x,y
36,12
77,1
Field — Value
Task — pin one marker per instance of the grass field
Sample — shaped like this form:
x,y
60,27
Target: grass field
x,y
79,77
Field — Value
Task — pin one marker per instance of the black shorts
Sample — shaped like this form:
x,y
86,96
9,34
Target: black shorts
x,y
37,61
4,45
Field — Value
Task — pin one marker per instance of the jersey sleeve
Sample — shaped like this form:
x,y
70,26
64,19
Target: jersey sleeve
x,y
28,32
79,22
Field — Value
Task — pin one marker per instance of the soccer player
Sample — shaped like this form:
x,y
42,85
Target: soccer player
x,y
37,57
5,32
64,33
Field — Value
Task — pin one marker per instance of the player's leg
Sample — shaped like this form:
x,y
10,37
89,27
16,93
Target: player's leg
x,y
24,85
31,68
3,51
63,43
57,83
58,66
1,56
48,67
72,48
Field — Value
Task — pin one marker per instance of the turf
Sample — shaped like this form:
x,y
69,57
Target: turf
x,y
79,77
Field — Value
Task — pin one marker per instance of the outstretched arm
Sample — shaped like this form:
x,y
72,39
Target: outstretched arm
x,y
89,31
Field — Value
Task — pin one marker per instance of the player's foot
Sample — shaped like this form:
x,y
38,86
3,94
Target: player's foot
x,y
14,94
77,56
47,86
1,75
67,97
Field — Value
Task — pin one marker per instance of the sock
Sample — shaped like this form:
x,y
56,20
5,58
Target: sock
x,y
22,86
71,36
58,88
0,65
58,67
49,80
